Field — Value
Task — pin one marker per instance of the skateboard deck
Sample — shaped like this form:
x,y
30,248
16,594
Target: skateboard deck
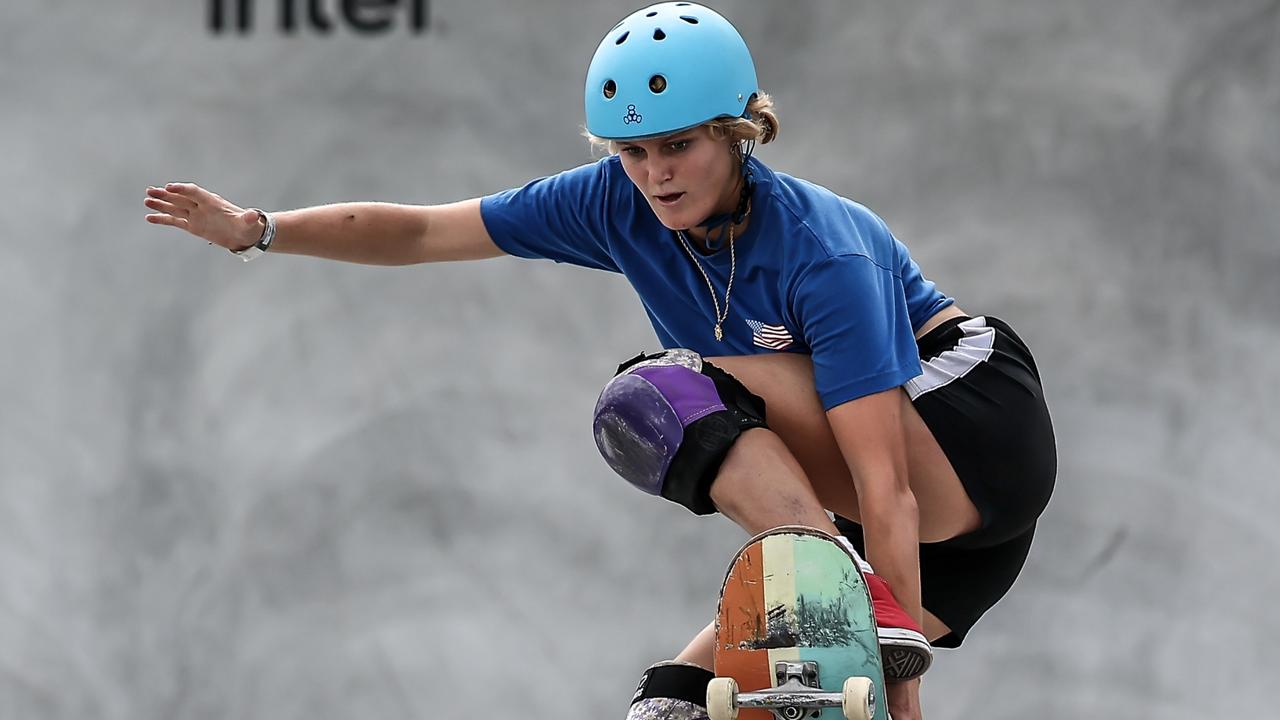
x,y
794,606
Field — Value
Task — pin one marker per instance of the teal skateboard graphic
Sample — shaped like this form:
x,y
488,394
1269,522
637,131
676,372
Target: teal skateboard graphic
x,y
795,634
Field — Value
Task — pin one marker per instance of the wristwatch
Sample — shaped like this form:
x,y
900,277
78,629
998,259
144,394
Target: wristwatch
x,y
263,243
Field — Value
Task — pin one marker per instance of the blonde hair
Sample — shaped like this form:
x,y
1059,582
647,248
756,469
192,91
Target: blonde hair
x,y
762,127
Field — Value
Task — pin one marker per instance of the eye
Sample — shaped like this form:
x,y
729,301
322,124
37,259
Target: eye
x,y
679,145
633,151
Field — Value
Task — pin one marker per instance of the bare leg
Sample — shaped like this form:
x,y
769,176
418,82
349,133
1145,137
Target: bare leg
x,y
795,414
761,486
793,472
700,649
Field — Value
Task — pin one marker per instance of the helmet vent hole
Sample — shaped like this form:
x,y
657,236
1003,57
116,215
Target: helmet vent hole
x,y
657,84
683,4
610,89
690,20
659,35
652,14
622,38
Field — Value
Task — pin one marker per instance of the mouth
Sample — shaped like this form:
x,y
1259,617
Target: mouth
x,y
668,200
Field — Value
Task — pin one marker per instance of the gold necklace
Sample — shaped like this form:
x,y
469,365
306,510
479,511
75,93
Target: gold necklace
x,y
733,270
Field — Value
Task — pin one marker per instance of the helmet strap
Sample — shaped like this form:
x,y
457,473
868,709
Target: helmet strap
x,y
742,152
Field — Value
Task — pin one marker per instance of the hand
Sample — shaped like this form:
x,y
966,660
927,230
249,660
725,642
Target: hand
x,y
904,700
204,214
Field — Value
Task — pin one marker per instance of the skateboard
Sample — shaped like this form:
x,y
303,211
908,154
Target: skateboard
x,y
795,634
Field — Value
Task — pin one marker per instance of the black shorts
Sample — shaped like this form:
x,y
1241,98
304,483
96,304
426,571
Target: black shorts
x,y
980,395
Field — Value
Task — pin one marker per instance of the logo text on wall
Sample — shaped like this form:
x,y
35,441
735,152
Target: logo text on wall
x,y
366,17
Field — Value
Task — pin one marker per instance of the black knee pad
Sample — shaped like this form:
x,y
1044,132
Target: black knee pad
x,y
670,690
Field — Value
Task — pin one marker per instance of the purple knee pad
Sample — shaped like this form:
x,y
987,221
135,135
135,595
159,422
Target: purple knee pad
x,y
665,423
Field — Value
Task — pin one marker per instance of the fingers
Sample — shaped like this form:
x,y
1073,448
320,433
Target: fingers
x,y
165,207
172,209
176,194
192,208
169,220
193,193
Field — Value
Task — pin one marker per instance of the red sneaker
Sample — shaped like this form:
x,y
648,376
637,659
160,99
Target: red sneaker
x,y
904,651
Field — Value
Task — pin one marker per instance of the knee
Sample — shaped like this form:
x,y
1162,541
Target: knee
x,y
666,422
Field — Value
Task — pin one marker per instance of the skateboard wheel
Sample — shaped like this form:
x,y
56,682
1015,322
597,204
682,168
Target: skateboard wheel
x,y
859,701
722,699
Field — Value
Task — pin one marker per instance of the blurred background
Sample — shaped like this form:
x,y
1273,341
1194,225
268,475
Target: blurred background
x,y
305,489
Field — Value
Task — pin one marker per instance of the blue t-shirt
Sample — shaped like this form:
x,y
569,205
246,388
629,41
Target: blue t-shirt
x,y
817,273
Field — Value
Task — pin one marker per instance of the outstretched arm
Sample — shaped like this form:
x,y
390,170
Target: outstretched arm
x,y
361,232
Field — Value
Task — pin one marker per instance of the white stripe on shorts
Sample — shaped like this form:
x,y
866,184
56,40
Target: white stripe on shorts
x,y
973,349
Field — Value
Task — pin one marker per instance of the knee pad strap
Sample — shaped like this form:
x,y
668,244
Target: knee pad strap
x,y
674,681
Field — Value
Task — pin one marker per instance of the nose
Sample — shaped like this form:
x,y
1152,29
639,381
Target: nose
x,y
660,171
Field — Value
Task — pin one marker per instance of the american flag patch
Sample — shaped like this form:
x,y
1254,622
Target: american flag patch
x,y
774,337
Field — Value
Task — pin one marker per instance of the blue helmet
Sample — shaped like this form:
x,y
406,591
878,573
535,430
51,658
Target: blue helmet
x,y
667,68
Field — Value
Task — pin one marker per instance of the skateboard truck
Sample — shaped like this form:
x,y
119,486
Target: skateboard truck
x,y
795,677
797,694
806,673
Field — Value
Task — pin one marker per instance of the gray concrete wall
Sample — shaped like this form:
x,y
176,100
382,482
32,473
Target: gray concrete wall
x,y
301,489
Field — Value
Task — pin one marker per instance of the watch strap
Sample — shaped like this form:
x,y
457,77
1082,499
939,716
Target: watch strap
x,y
264,242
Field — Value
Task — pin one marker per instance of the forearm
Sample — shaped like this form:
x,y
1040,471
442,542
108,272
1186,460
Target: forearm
x,y
891,530
870,434
369,233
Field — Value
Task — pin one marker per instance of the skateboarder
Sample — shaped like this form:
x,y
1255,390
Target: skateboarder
x,y
810,365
